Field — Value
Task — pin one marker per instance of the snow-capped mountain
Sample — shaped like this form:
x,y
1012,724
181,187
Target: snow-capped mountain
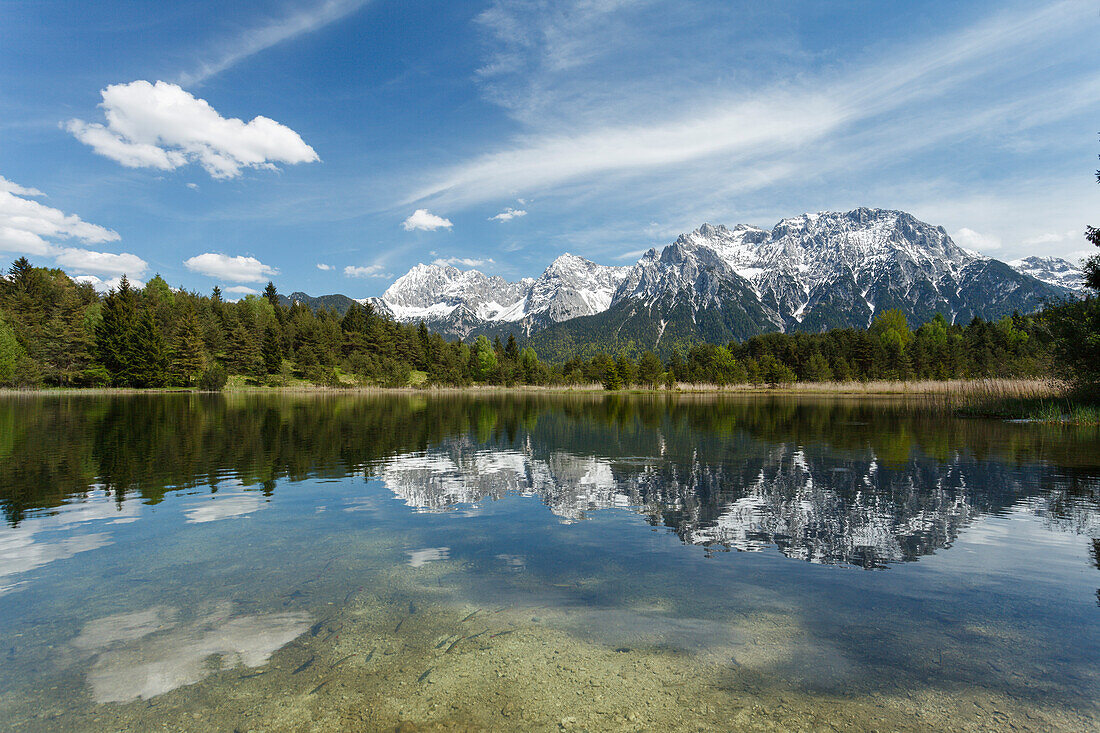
x,y
808,273
1053,271
457,302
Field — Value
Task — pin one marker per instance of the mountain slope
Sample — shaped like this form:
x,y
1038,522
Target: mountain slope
x,y
458,303
810,273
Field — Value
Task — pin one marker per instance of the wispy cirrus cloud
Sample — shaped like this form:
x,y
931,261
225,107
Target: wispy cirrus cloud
x,y
463,261
268,33
579,137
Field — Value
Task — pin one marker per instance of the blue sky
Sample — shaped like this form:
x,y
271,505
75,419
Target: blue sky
x,y
228,143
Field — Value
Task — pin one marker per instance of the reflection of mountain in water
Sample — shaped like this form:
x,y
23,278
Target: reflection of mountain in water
x,y
829,481
811,505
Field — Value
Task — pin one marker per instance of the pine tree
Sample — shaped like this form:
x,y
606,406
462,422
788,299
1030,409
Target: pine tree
x,y
612,380
243,354
11,353
114,333
189,355
65,346
148,354
511,351
271,352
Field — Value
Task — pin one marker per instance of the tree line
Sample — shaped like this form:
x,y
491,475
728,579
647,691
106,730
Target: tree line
x,y
55,331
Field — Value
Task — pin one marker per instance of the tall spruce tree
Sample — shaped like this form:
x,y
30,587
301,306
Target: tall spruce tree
x,y
188,357
271,352
114,333
148,357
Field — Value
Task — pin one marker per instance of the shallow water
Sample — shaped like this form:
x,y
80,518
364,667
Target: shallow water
x,y
543,563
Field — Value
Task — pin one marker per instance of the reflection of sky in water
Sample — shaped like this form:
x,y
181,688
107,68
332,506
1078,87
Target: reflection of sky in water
x,y
223,506
147,653
60,534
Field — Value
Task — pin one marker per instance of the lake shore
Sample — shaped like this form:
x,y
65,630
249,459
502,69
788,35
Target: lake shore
x,y
1029,388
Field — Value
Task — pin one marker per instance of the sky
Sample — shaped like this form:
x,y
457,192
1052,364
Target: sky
x,y
330,145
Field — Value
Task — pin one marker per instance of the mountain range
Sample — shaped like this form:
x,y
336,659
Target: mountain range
x,y
808,273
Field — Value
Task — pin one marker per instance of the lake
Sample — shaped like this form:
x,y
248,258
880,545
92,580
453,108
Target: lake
x,y
543,562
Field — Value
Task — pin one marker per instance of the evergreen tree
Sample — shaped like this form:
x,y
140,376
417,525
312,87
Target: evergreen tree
x,y
649,369
511,351
11,354
188,357
612,380
114,334
148,354
271,352
243,354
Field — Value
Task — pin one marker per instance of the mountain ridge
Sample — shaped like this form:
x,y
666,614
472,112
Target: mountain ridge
x,y
810,272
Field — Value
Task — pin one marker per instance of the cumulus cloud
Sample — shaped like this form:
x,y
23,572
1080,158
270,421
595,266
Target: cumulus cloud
x,y
242,290
971,239
162,126
234,269
366,271
102,285
27,226
106,263
463,261
426,221
323,266
508,214
193,186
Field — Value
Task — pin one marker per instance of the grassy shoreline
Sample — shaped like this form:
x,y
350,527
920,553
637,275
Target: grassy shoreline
x,y
1028,400
1021,387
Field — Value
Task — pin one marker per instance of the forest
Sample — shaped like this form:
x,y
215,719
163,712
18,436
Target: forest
x,y
56,332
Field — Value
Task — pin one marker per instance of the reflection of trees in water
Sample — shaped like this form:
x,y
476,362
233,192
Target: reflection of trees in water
x,y
851,481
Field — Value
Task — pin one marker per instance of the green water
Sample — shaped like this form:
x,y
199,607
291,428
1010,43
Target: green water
x,y
577,562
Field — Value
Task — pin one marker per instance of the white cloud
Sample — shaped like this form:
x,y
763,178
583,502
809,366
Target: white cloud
x,y
366,271
580,134
103,285
242,290
12,187
104,263
323,266
234,269
971,239
262,37
193,186
508,214
424,220
27,226
1051,238
164,127
463,261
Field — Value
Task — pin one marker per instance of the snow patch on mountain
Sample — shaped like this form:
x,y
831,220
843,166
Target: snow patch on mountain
x,y
1052,270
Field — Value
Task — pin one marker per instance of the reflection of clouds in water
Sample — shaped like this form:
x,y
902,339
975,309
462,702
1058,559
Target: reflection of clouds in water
x,y
360,504
148,653
40,540
419,558
513,562
223,506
